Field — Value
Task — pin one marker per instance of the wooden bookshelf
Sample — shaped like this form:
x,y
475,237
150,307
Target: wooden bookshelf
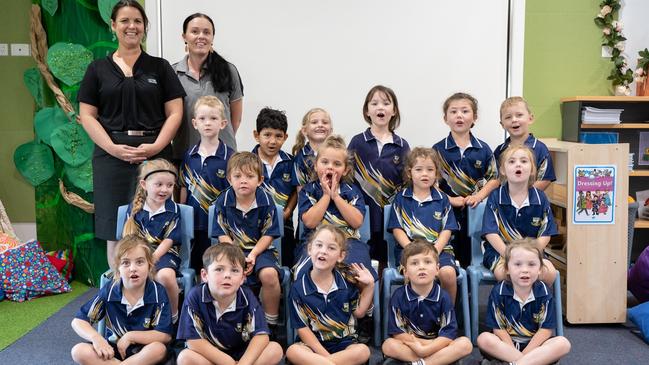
x,y
616,126
605,98
639,173
641,224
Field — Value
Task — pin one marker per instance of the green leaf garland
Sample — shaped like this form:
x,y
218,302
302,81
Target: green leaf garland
x,y
34,82
106,8
68,62
80,176
47,120
35,162
72,144
50,6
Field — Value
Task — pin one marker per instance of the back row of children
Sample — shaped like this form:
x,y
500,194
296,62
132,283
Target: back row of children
x,y
246,215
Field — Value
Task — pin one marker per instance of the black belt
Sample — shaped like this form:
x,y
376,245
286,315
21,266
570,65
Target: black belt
x,y
136,133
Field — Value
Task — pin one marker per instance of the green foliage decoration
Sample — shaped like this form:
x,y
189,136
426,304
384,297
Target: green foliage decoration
x,y
80,176
35,162
47,120
68,62
106,8
34,82
621,75
72,144
50,5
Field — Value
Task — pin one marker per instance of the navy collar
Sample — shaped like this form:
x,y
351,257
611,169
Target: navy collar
x,y
539,289
309,287
308,150
263,200
434,295
367,134
449,142
530,142
150,292
504,198
241,298
434,193
221,150
283,156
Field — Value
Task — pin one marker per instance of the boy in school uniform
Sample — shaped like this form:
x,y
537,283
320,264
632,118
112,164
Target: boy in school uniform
x,y
222,321
421,322
515,118
279,179
245,215
203,170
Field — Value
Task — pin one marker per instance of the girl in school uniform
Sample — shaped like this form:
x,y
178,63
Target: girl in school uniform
x,y
379,156
521,313
154,216
326,302
517,210
331,198
423,211
316,127
136,309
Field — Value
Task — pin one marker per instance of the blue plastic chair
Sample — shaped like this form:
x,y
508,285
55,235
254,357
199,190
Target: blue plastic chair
x,y
286,282
480,275
364,231
186,281
392,277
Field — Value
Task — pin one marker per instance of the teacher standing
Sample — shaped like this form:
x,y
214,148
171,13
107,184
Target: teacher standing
x,y
130,104
204,72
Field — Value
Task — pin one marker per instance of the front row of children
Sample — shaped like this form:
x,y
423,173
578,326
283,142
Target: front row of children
x,y
223,323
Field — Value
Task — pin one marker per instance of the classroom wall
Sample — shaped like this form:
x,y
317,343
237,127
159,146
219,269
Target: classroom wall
x,y
16,113
562,58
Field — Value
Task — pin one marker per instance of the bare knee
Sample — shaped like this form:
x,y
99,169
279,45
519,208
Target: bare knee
x,y
463,345
81,353
157,349
268,277
563,345
272,353
447,276
189,357
500,274
487,340
390,347
167,277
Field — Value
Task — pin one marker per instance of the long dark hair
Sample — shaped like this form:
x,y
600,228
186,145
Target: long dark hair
x,y
217,66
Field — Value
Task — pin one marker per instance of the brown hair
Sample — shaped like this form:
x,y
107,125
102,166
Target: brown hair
x,y
231,252
132,4
212,102
128,243
337,142
513,100
396,119
507,153
461,96
528,244
339,237
300,139
424,153
416,247
146,169
245,162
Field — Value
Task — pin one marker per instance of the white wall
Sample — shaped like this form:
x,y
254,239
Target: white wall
x,y
633,16
297,54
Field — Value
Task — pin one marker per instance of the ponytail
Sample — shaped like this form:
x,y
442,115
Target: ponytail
x,y
300,142
131,226
219,70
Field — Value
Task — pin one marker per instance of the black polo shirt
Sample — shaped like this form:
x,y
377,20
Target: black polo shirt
x,y
130,103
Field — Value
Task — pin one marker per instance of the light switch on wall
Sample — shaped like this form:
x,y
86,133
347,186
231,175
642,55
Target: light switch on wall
x,y
20,49
4,49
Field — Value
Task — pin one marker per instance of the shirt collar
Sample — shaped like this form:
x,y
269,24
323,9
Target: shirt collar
x,y
368,136
434,193
434,295
504,198
309,287
241,299
169,206
183,65
130,308
530,141
221,150
150,292
539,289
261,198
449,142
307,149
282,156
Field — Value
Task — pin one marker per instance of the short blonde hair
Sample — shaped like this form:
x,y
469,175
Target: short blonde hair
x,y
511,101
336,142
212,102
128,243
507,153
424,153
245,162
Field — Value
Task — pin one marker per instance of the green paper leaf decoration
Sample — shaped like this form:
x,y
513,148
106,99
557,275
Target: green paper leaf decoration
x,y
68,62
80,176
47,120
50,5
35,162
106,8
34,82
72,144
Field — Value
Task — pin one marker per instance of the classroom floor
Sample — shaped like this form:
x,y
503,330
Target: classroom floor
x,y
50,343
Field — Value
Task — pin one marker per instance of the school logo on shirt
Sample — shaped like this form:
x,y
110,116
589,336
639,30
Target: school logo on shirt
x,y
396,159
346,307
152,81
239,327
286,177
220,173
437,215
147,322
536,221
478,164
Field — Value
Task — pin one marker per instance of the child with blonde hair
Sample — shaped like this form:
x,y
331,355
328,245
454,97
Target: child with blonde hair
x,y
316,127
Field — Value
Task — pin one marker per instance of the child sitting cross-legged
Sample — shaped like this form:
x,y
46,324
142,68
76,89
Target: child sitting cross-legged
x,y
421,321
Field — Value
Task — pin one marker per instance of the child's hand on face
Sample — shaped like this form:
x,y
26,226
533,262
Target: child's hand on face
x,y
325,182
456,201
250,264
362,274
335,183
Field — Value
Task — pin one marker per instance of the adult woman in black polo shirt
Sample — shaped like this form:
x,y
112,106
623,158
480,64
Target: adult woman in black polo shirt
x,y
131,105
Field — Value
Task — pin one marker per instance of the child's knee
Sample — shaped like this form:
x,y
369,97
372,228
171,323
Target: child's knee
x,y
563,345
80,352
157,350
486,340
463,345
166,276
269,277
447,275
390,347
500,273
189,357
273,352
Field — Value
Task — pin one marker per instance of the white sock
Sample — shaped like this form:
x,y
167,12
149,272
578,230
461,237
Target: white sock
x,y
419,362
174,318
271,318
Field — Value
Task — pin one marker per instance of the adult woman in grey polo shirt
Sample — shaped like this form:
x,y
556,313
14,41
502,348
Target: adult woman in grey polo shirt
x,y
205,72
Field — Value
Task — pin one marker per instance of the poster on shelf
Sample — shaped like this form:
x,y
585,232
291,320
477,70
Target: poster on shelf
x,y
594,194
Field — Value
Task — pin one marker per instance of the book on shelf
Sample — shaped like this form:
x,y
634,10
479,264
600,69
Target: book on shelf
x,y
599,137
642,197
590,115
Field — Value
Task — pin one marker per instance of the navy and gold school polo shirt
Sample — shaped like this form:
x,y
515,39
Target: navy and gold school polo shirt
x,y
330,317
232,330
429,317
465,173
544,166
379,176
155,314
501,217
281,184
204,180
303,165
426,219
160,226
245,229
521,320
311,194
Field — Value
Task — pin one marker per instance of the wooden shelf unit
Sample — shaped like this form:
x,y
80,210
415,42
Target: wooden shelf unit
x,y
593,257
641,224
643,125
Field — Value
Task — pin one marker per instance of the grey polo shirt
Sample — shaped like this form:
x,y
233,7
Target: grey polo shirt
x,y
187,136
